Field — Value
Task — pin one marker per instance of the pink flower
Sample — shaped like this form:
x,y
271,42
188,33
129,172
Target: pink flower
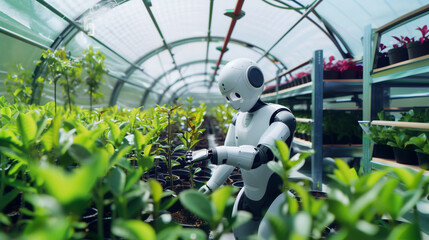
x,y
424,30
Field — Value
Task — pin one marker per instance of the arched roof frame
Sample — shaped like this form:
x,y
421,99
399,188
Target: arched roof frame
x,y
146,94
197,83
73,28
161,96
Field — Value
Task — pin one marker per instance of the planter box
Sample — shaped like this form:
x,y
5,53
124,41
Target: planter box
x,y
416,49
405,156
397,55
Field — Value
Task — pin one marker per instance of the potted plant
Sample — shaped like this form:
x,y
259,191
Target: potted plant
x,y
381,58
402,153
349,69
399,51
421,142
421,47
94,66
330,70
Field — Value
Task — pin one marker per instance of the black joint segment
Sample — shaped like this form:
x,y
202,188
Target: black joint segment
x,y
213,156
263,156
224,161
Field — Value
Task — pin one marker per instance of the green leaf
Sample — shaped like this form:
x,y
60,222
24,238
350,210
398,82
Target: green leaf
x,y
156,190
6,221
277,168
241,218
8,197
117,155
133,230
114,131
406,177
284,151
116,181
405,231
220,198
198,204
78,152
132,178
27,128
192,234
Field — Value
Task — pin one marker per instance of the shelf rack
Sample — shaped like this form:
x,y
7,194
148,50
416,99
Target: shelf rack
x,y
314,93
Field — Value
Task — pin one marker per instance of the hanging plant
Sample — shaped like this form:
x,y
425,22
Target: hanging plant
x,y
94,66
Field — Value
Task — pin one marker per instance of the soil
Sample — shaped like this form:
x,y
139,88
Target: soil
x,y
185,217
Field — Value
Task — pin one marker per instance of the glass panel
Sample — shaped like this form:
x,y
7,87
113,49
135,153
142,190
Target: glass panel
x,y
299,46
349,18
14,52
130,96
182,19
127,29
74,8
139,78
32,20
116,65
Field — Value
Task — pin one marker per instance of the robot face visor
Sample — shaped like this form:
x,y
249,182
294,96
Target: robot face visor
x,y
234,99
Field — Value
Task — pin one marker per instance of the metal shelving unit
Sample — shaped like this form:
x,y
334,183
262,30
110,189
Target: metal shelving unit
x,y
315,93
376,85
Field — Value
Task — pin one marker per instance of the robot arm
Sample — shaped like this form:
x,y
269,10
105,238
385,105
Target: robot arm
x,y
250,157
222,172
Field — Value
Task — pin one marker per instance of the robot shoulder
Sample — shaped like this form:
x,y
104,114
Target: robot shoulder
x,y
284,115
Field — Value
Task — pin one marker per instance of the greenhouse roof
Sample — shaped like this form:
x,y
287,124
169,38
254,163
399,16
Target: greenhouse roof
x,y
159,50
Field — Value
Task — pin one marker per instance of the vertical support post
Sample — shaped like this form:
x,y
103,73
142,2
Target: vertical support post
x,y
367,89
277,85
317,115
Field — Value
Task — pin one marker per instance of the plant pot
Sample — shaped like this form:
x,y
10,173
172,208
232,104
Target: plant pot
x,y
416,49
330,74
381,60
405,156
90,215
348,74
189,220
423,160
238,184
235,177
182,173
383,151
199,181
397,55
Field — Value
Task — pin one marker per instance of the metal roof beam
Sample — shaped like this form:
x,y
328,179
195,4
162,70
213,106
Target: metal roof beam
x,y
74,24
292,27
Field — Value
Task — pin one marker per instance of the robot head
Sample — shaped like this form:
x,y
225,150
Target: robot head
x,y
241,83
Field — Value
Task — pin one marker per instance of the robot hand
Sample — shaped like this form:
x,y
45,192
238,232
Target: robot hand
x,y
205,189
198,156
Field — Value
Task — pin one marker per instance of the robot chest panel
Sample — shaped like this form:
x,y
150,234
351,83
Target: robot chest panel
x,y
250,127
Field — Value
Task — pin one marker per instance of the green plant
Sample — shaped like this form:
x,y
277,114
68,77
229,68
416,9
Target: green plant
x,y
216,209
191,136
94,66
71,81
359,204
223,115
296,221
57,64
168,148
421,142
18,85
399,140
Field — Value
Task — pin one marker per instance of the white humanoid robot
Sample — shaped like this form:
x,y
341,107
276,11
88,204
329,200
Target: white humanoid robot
x,y
252,132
